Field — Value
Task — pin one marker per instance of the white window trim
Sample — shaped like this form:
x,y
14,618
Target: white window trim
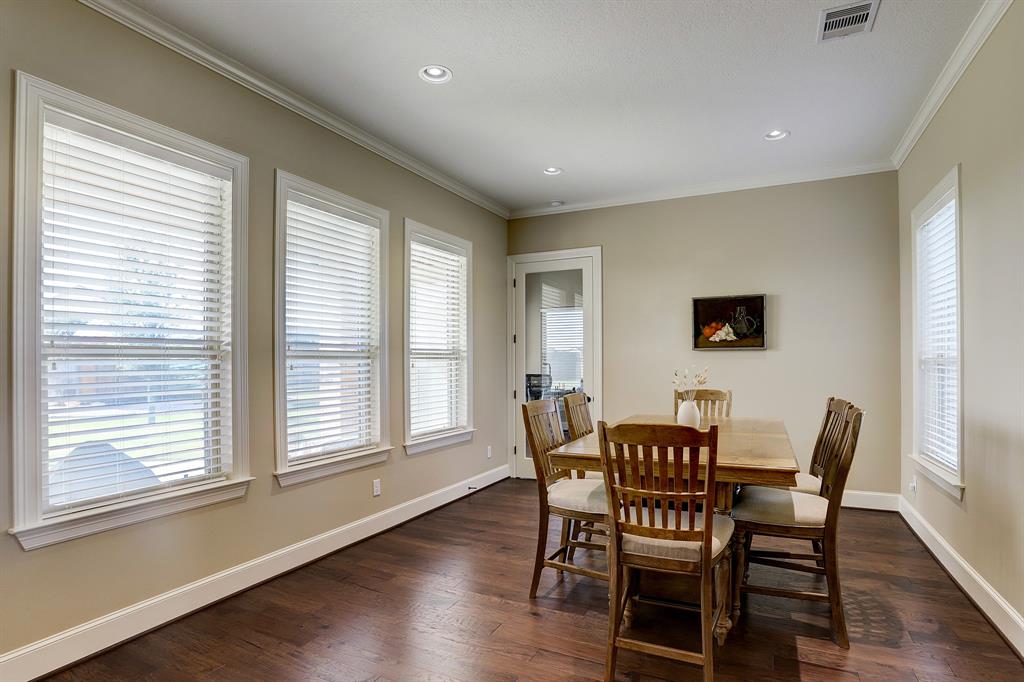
x,y
291,474
948,480
32,531
448,438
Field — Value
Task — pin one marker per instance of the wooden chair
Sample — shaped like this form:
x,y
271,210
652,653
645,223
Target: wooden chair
x,y
654,490
831,430
783,513
577,415
574,500
711,402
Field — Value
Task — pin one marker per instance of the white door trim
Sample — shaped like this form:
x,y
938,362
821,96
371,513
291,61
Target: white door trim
x,y
592,252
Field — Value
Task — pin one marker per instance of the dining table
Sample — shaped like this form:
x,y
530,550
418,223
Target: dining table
x,y
751,451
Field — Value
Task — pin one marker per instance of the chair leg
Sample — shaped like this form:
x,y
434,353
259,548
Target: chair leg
x,y
614,617
542,543
574,535
707,625
748,540
816,545
739,571
835,596
566,526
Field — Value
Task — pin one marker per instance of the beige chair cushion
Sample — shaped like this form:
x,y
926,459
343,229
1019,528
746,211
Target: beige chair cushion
x,y
759,504
681,550
807,483
599,475
579,494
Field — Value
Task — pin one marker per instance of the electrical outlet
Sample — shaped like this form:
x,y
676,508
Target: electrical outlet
x,y
488,452
376,487
913,483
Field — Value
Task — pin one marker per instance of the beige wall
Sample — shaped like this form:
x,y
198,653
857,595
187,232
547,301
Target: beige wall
x,y
824,252
980,126
53,588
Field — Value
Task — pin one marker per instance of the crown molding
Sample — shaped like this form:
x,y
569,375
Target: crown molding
x,y
156,29
710,188
977,33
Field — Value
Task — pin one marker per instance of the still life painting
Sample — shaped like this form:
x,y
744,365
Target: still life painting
x,y
729,322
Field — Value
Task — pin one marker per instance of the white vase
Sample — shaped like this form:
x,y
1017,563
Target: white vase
x,y
688,414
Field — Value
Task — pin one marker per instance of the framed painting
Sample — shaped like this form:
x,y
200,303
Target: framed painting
x,y
729,323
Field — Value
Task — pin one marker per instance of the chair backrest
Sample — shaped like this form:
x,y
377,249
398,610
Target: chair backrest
x,y
830,435
710,401
837,469
544,434
577,415
656,467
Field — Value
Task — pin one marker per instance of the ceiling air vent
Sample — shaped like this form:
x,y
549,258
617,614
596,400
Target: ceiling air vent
x,y
839,22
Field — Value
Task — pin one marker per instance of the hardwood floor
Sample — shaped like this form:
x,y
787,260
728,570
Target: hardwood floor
x,y
444,597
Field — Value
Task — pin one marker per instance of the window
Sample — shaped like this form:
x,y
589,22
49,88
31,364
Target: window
x,y
331,278
438,341
562,347
129,307
937,434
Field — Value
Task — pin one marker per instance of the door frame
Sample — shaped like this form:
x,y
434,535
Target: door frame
x,y
592,252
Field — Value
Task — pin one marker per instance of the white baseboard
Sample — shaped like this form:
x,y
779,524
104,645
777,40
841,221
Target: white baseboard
x,y
64,648
1004,617
866,499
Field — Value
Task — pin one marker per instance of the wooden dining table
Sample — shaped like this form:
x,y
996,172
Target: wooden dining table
x,y
751,451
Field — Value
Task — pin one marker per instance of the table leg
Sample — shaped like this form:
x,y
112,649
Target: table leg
x,y
724,589
723,497
723,505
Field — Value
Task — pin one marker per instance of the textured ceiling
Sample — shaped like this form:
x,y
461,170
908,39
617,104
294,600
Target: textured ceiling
x,y
635,100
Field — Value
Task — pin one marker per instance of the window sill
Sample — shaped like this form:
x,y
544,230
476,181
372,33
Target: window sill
x,y
310,471
80,524
440,440
946,480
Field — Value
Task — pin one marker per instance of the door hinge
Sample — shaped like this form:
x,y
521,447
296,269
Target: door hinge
x,y
515,449
513,282
513,393
513,338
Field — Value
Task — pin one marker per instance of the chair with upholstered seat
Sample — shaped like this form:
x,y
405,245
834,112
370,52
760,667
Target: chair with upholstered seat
x,y
574,500
652,477
710,401
783,513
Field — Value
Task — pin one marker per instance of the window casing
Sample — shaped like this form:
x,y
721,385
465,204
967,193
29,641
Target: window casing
x,y
330,311
438,339
129,344
937,335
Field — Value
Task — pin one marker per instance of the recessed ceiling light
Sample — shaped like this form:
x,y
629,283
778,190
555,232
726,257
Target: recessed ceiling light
x,y
774,135
435,73
552,170
557,203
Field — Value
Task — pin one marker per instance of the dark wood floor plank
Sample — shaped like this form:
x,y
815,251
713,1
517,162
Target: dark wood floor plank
x,y
444,598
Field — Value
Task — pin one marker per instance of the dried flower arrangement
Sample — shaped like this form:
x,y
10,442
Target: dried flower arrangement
x,y
689,382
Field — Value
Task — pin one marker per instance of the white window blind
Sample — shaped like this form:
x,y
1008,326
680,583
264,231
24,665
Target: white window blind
x,y
135,324
438,337
938,352
332,329
562,346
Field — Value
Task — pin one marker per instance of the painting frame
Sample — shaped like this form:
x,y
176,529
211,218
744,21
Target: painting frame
x,y
709,314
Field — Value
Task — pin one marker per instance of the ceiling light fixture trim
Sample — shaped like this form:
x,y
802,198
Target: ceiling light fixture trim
x,y
552,170
776,134
436,74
